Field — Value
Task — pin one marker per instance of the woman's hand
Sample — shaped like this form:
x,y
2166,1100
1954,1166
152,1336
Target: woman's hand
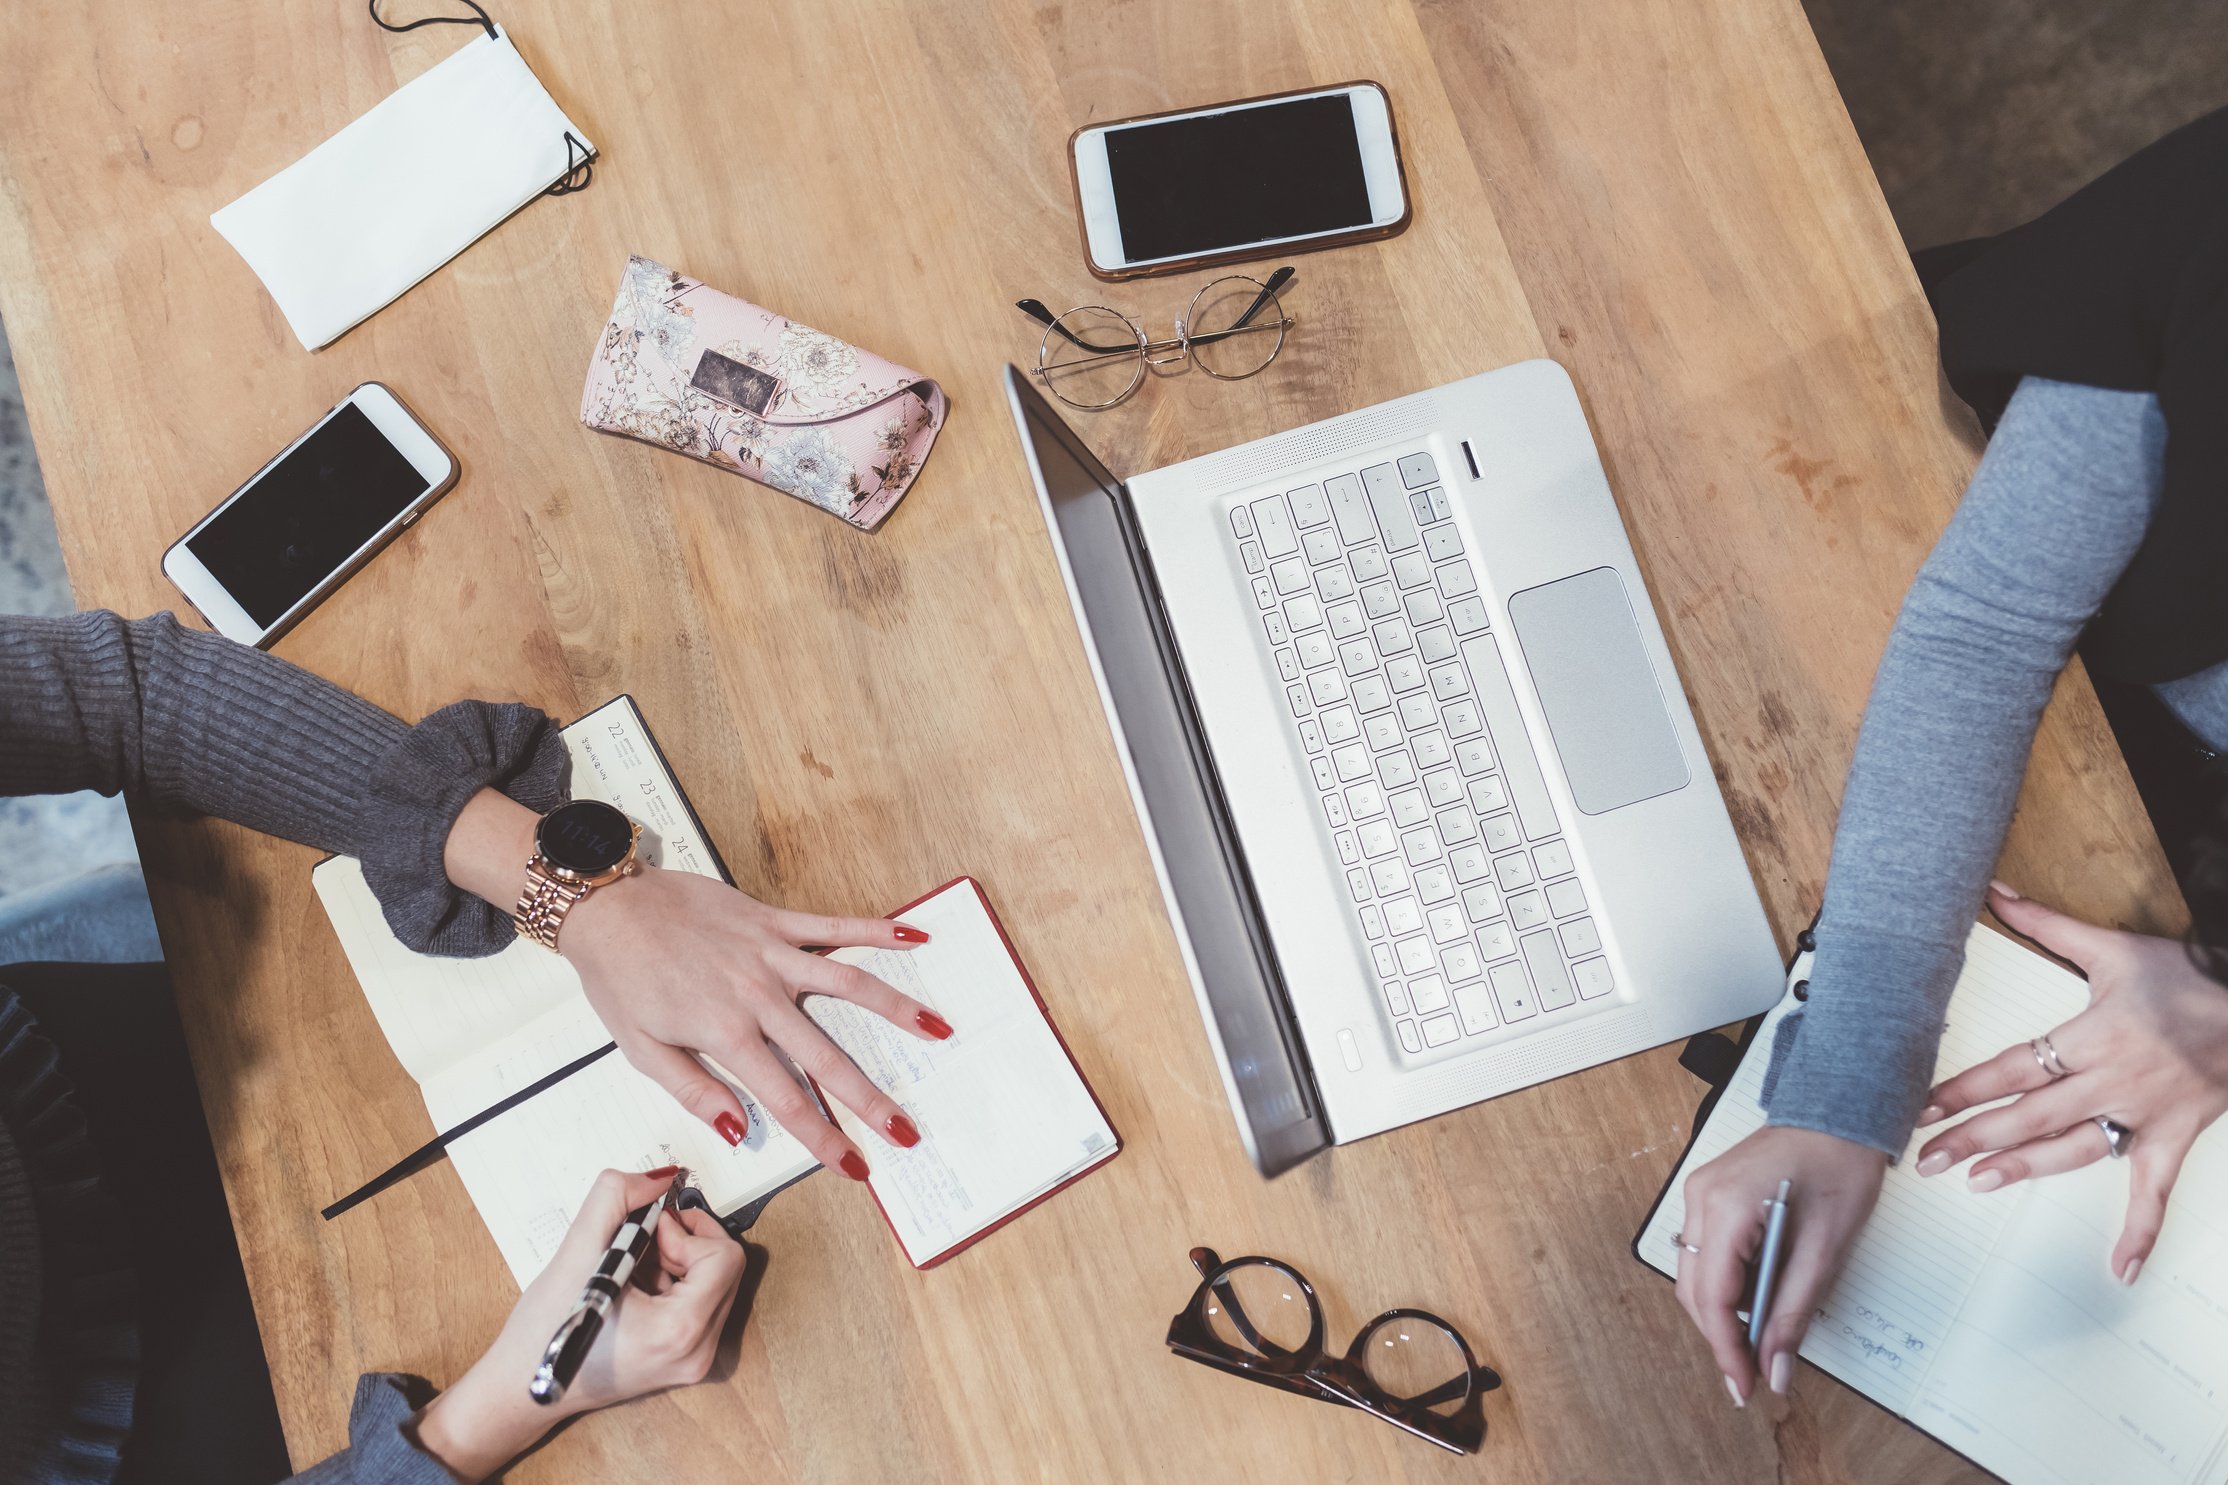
x,y
679,965
662,1335
2150,1052
1836,1182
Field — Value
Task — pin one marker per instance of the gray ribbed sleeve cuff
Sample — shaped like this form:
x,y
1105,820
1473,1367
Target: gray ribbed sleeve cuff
x,y
1857,1060
413,797
381,1450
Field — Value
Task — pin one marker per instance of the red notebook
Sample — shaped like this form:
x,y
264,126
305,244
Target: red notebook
x,y
1006,1117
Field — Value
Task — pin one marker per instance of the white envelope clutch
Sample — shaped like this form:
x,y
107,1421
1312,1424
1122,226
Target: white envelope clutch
x,y
345,230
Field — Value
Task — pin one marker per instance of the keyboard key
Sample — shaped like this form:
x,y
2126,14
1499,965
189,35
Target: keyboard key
x,y
1488,795
1467,863
1435,644
1527,910
1442,789
1405,673
1279,632
1456,826
1396,999
1408,808
1580,937
1430,994
1349,850
1467,615
1461,718
1402,915
1341,725
1482,902
1303,612
1357,881
1448,683
1412,570
1287,665
1289,575
1552,859
1565,898
1475,1008
1440,1030
1431,749
1501,833
1326,686
1334,809
1355,657
1415,954
1416,710
1456,580
1447,925
1473,756
1370,695
1381,955
1391,878
1368,564
1417,470
1434,885
1389,499
1381,731
1349,509
1423,607
1549,974
1350,763
1297,695
1241,520
1264,593
1274,522
1442,542
1513,991
1519,763
1512,871
1593,977
1311,735
1364,800
1380,600
1309,508
1459,962
1439,508
1409,1037
1334,583
1391,638
1314,649
1373,923
1345,619
1395,770
1419,505
1319,546
1377,838
1496,940
1420,845
1324,778
1250,554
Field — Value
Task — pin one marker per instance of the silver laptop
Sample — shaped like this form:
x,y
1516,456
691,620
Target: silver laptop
x,y
1430,814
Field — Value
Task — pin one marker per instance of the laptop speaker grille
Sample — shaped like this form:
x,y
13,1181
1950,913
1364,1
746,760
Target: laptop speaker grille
x,y
1251,462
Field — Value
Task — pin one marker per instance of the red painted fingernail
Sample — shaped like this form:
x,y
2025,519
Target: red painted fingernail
x,y
731,1129
663,1173
902,1132
908,934
853,1166
935,1025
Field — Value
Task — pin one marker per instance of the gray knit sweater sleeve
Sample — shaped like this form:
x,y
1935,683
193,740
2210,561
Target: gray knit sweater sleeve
x,y
2054,514
381,1449
192,721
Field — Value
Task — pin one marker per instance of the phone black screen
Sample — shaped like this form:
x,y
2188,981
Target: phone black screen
x,y
307,515
1199,185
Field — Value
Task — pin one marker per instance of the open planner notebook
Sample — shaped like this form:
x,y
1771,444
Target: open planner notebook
x,y
1990,1321
1005,1115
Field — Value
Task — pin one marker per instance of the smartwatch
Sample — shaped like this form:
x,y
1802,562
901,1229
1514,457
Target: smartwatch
x,y
578,847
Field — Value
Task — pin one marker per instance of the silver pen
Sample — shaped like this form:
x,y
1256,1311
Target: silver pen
x,y
569,1347
1767,1264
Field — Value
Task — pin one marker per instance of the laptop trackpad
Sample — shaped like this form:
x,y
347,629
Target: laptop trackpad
x,y
1603,702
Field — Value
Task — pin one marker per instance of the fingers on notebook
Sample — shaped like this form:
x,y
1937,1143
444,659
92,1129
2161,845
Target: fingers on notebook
x,y
2013,1070
829,1066
692,1085
2030,1116
2157,1162
824,931
1802,1284
2052,1155
849,982
788,1105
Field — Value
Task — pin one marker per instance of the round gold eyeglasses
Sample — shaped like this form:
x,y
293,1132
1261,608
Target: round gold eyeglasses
x,y
1093,357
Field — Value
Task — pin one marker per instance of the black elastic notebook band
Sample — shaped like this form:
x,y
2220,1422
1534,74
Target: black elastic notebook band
x,y
418,1159
478,17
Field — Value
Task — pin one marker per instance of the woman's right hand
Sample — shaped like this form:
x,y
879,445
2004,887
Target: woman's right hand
x,y
1836,1183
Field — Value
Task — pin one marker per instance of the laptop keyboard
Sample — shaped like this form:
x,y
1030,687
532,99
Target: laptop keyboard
x,y
1425,772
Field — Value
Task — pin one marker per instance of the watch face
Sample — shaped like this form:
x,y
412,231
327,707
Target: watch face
x,y
586,836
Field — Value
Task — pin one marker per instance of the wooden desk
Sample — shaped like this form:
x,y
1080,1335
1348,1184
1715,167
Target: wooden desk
x,y
1666,197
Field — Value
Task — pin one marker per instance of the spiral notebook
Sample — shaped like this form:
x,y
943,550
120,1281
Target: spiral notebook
x,y
1990,1321
1005,1114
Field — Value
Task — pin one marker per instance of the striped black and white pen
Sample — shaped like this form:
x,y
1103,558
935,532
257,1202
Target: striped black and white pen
x,y
569,1347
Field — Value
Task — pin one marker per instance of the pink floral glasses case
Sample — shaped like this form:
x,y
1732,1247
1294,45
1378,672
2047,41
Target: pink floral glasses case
x,y
721,380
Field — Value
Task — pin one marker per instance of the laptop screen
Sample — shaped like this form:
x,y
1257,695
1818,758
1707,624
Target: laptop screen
x,y
1206,872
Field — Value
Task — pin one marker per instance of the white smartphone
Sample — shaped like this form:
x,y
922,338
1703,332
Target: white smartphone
x,y
1257,178
309,518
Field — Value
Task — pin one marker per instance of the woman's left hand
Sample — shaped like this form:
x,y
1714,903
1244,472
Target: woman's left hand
x,y
2150,1053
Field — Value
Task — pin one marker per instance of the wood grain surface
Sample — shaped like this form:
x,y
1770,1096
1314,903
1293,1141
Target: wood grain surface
x,y
1666,197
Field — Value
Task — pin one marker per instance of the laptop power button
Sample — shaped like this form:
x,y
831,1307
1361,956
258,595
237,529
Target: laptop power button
x,y
1349,1049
